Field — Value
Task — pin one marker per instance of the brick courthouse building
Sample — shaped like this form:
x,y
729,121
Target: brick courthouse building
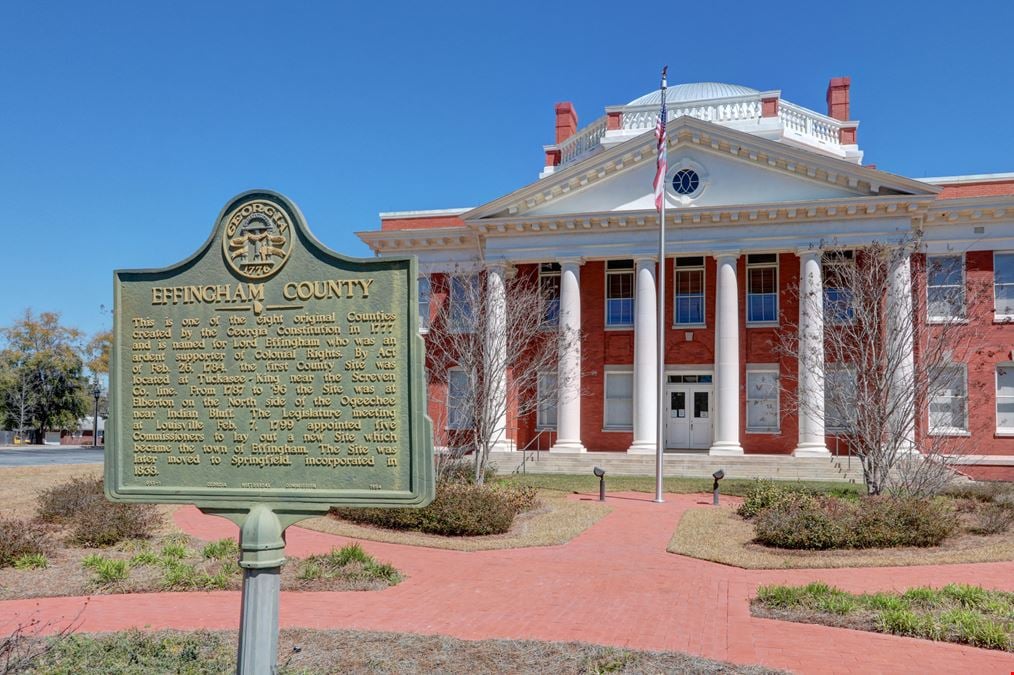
x,y
756,185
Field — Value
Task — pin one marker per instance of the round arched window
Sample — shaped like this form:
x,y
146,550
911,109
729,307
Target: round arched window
x,y
685,182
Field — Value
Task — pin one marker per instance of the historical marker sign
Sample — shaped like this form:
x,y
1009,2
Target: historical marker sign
x,y
267,369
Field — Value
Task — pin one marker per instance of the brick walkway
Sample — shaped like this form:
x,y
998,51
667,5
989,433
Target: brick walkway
x,y
614,585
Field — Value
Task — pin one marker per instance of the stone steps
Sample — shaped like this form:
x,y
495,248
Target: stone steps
x,y
779,467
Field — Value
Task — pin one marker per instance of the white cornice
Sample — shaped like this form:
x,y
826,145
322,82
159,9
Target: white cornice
x,y
970,178
686,131
420,239
743,214
971,209
432,213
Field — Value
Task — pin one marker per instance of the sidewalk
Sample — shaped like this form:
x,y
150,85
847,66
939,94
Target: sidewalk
x,y
614,585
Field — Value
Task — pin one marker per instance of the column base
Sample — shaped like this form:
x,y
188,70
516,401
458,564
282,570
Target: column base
x,y
725,449
504,446
568,446
643,448
811,450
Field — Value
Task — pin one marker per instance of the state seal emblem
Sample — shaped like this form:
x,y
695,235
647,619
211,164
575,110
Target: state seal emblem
x,y
257,239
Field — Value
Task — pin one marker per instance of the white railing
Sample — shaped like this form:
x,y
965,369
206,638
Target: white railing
x,y
808,123
816,128
583,141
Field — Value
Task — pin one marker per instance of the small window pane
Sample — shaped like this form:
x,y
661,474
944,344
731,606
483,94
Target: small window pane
x,y
424,303
547,398
619,412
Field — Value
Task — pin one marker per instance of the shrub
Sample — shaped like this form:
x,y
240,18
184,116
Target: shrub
x,y
61,503
994,518
20,538
821,523
761,495
31,561
108,524
459,509
349,563
520,497
107,570
221,550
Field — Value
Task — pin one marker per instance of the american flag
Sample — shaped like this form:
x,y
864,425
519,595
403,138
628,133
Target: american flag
x,y
662,165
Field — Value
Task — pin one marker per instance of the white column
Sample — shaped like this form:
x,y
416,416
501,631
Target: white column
x,y
726,427
811,357
645,358
568,410
496,355
900,336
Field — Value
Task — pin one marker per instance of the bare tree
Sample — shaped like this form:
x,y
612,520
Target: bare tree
x,y
894,381
19,400
494,334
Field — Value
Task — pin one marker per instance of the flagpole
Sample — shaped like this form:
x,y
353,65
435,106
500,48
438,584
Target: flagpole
x,y
660,301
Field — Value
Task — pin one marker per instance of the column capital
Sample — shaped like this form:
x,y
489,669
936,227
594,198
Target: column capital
x,y
500,266
572,261
645,258
804,251
726,254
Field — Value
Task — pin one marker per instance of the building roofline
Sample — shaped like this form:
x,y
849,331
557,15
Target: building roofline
x,y
970,178
431,213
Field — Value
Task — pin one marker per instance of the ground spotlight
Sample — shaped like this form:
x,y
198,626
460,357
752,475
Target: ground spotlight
x,y
718,475
601,473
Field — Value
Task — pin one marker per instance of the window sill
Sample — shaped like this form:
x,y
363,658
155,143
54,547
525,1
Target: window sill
x,y
957,433
1003,320
689,326
946,320
762,324
769,432
622,430
545,428
628,327
1004,434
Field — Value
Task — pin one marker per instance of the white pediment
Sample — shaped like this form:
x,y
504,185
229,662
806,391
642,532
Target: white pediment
x,y
736,169
724,182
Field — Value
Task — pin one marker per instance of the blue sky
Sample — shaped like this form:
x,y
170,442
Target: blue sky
x,y
126,126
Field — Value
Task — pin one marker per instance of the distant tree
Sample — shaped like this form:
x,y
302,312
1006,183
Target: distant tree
x,y
97,351
19,398
43,355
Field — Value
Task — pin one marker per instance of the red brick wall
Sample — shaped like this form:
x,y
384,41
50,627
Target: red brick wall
x,y
979,472
985,189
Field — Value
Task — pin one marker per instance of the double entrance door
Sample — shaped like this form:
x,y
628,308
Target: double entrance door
x,y
689,419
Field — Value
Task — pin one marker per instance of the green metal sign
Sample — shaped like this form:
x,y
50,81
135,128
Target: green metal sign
x,y
268,370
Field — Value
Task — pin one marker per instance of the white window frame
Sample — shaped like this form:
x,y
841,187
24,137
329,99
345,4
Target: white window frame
x,y
467,424
765,369
702,268
962,315
425,290
549,274
997,314
632,272
754,266
845,427
951,431
605,401
464,279
546,405
1001,431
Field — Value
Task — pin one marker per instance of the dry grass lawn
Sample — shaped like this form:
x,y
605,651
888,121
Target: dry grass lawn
x,y
320,651
719,535
556,520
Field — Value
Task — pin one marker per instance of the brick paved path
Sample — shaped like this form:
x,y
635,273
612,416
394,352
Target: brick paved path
x,y
614,585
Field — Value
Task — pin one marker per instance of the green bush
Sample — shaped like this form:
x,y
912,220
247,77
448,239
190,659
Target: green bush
x,y
223,549
349,563
822,523
459,509
19,538
107,524
763,494
31,561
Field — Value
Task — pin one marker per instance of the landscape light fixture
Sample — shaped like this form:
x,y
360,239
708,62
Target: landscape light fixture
x,y
601,473
718,475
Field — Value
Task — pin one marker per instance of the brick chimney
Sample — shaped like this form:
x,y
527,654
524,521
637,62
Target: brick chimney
x,y
837,98
566,121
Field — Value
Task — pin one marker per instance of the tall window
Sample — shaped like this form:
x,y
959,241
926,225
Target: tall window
x,y
545,416
762,288
762,399
945,287
948,408
689,291
1003,285
619,412
549,288
837,294
1005,398
424,303
620,293
459,413
839,387
463,290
